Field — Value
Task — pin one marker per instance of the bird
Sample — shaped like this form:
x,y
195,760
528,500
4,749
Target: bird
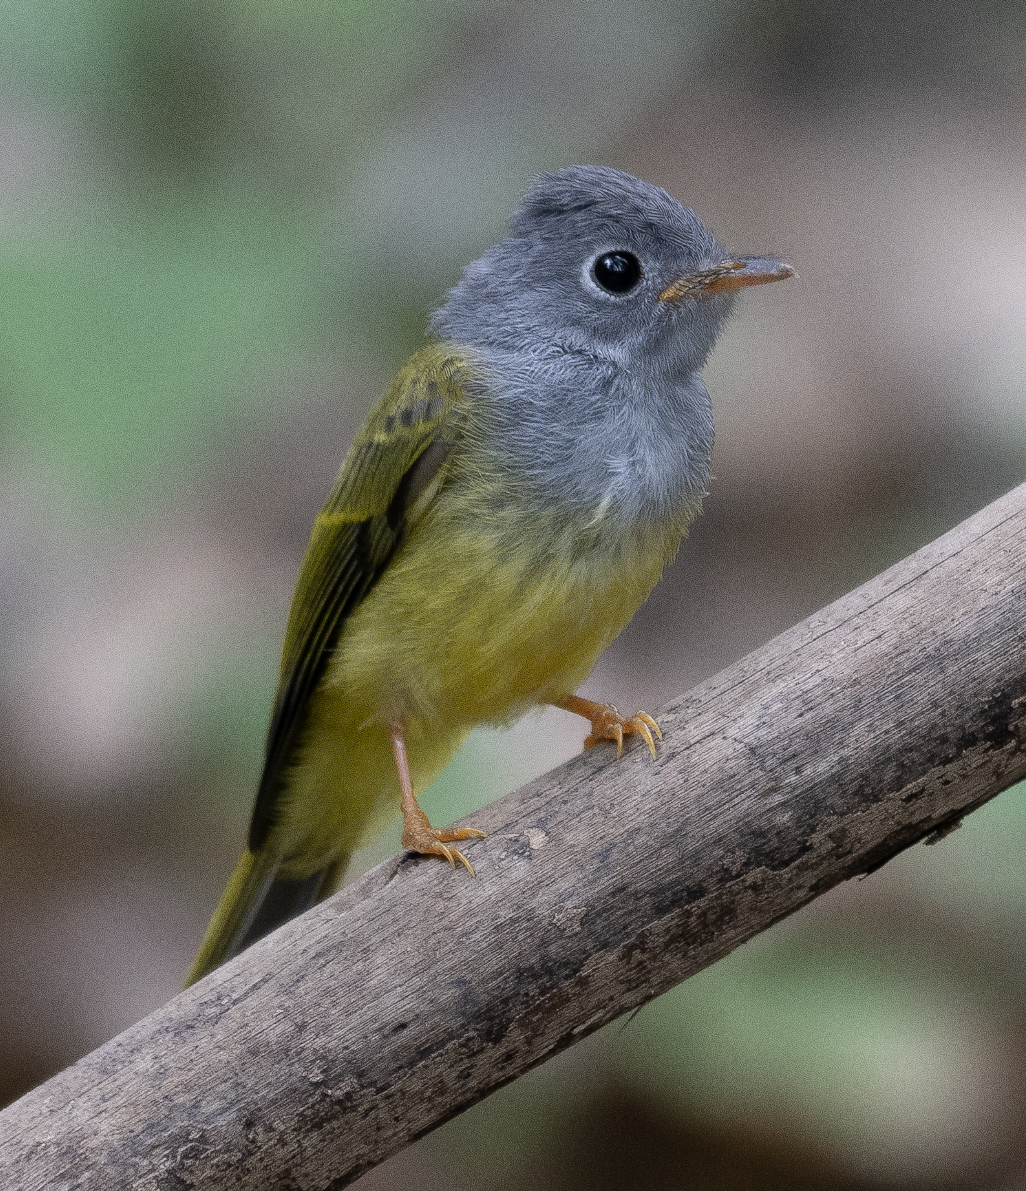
x,y
504,511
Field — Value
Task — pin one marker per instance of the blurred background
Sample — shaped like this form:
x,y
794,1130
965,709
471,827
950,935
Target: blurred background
x,y
222,225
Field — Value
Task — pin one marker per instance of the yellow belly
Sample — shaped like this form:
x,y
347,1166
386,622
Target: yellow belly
x,y
466,626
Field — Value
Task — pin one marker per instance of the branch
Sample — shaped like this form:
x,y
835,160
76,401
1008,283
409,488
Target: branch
x,y
412,994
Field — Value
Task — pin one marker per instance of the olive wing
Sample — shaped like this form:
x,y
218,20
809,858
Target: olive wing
x,y
388,478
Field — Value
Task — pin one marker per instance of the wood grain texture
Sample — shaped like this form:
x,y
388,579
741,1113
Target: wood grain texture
x,y
412,994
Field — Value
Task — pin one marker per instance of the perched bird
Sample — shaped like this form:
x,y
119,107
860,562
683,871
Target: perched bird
x,y
504,511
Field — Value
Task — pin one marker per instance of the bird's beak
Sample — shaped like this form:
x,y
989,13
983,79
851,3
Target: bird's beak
x,y
727,275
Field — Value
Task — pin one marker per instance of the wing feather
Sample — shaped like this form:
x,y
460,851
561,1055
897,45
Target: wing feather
x,y
388,477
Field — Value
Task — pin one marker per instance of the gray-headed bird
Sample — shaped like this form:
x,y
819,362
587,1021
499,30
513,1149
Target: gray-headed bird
x,y
505,510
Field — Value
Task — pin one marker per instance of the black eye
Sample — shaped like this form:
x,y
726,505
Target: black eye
x,y
617,272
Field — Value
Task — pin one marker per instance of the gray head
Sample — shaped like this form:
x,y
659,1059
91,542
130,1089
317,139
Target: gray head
x,y
601,263
591,320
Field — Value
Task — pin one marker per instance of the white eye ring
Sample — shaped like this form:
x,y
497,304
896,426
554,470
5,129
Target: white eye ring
x,y
615,272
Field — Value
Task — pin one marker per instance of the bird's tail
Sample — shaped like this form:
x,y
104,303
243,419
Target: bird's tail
x,y
255,902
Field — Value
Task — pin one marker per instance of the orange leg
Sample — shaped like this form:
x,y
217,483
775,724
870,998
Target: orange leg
x,y
608,724
418,833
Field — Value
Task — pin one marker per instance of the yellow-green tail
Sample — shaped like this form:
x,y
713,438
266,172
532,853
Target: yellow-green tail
x,y
255,902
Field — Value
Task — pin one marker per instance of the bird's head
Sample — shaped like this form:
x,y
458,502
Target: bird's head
x,y
600,262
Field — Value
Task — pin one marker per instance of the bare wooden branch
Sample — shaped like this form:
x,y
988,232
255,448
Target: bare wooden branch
x,y
877,722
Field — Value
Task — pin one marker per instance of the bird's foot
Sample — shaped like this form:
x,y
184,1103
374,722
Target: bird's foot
x,y
420,836
418,833
608,724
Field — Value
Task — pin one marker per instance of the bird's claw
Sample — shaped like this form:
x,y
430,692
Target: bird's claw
x,y
431,841
608,724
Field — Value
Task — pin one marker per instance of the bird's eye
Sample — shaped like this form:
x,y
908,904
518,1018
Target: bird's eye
x,y
617,272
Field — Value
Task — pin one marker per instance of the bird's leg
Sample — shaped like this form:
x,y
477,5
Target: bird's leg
x,y
418,833
608,724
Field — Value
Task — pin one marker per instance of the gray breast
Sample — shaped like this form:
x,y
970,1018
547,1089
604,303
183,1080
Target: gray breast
x,y
602,441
